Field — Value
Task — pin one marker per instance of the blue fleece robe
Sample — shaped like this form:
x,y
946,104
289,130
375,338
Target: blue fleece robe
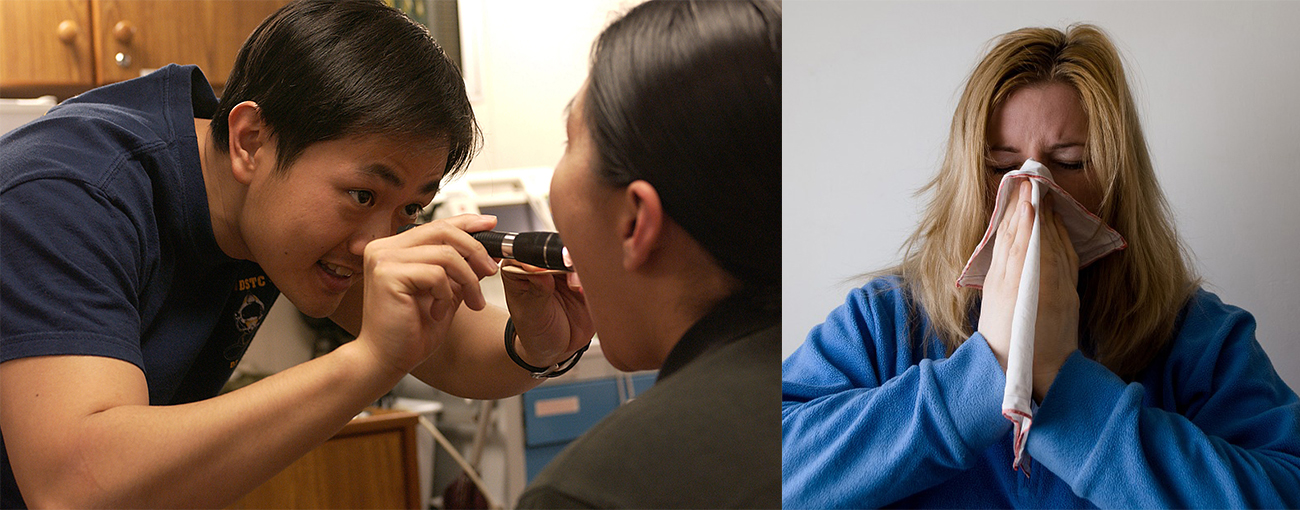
x,y
874,415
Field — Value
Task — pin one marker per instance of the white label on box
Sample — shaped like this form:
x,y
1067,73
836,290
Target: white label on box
x,y
556,406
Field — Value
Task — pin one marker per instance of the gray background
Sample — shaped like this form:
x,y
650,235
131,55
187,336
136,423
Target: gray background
x,y
870,89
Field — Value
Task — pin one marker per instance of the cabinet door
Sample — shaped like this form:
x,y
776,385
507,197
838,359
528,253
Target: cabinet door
x,y
143,35
45,42
371,463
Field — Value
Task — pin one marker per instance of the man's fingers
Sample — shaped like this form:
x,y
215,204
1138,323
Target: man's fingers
x,y
454,232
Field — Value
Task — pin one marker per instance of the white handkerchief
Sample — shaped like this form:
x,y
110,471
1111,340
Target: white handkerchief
x,y
1092,240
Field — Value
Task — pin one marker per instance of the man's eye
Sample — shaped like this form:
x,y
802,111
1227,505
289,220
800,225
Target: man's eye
x,y
413,210
362,197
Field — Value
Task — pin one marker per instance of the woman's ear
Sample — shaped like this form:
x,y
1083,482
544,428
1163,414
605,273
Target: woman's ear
x,y
644,231
248,135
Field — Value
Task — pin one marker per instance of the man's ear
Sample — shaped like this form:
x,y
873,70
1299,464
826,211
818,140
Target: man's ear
x,y
644,231
248,134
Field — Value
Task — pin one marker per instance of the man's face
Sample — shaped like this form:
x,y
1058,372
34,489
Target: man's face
x,y
308,226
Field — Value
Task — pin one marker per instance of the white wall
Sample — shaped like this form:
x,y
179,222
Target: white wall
x,y
870,89
533,57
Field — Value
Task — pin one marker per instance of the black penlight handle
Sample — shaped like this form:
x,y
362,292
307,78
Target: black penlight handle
x,y
491,240
541,249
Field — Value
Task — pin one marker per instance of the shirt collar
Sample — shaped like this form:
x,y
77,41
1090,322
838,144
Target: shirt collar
x,y
733,318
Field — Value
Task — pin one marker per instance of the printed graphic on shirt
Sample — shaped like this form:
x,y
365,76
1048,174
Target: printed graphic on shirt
x,y
247,316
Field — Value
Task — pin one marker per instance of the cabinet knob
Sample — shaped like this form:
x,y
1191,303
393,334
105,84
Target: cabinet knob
x,y
123,60
123,31
67,31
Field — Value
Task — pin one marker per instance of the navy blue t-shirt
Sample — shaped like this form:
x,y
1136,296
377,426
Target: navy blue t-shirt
x,y
106,243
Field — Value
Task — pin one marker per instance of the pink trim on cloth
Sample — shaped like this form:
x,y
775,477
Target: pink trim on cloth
x,y
1022,422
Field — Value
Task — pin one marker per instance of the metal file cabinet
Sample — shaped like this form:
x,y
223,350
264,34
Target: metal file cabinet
x,y
555,415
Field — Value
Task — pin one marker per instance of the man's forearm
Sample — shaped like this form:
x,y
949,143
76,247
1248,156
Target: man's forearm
x,y
207,453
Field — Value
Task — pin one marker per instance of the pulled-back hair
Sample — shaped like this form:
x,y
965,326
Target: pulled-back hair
x,y
322,70
686,95
1129,300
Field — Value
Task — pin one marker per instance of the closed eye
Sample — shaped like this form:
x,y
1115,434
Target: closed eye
x,y
1070,165
1002,169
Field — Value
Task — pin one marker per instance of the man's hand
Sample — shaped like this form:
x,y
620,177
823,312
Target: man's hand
x,y
416,281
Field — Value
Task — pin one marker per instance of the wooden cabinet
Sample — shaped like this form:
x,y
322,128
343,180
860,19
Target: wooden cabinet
x,y
371,463
45,42
136,35
62,44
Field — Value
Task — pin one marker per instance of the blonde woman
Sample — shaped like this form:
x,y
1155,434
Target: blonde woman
x,y
1150,391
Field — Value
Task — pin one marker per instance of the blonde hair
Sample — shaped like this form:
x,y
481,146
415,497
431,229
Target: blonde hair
x,y
1129,300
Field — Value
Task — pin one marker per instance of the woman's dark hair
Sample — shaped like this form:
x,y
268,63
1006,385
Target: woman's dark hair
x,y
686,95
322,70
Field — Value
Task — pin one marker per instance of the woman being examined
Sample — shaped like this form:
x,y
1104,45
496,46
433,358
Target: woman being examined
x,y
668,199
1149,390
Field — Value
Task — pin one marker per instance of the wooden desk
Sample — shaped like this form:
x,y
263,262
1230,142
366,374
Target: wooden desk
x,y
371,463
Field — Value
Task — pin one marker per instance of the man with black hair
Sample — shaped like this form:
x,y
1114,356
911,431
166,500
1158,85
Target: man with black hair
x,y
148,227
